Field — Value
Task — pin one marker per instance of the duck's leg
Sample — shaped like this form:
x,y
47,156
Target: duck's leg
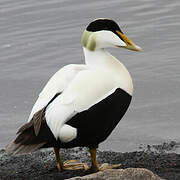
x,y
58,159
94,163
75,165
69,164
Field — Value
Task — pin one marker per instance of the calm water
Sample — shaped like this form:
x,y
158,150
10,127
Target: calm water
x,y
39,37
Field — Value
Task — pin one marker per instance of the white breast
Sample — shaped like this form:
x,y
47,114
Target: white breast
x,y
101,59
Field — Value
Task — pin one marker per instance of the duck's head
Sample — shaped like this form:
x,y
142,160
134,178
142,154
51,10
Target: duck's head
x,y
103,33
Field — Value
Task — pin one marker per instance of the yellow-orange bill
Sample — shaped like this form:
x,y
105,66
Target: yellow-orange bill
x,y
129,44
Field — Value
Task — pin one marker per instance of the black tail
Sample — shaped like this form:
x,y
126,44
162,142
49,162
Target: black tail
x,y
27,141
32,136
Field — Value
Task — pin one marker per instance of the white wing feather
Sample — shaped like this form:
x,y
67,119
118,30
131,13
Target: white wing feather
x,y
81,87
84,91
58,82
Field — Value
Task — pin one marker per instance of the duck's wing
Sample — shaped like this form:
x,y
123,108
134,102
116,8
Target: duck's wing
x,y
86,89
56,85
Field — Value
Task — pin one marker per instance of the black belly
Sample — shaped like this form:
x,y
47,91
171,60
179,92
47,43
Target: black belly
x,y
96,124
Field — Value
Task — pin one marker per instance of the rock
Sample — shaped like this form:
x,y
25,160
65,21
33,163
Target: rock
x,y
121,174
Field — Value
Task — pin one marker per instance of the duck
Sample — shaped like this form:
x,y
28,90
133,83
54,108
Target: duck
x,y
81,104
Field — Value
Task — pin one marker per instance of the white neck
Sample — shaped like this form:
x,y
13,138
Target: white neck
x,y
102,59
97,57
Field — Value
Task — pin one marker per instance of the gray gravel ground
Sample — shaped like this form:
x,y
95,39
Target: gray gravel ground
x,y
42,165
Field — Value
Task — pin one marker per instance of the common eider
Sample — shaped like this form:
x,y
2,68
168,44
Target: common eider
x,y
82,103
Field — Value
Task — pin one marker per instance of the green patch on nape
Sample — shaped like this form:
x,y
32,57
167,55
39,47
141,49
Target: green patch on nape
x,y
88,40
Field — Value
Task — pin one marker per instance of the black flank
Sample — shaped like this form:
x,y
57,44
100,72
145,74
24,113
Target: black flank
x,y
93,125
